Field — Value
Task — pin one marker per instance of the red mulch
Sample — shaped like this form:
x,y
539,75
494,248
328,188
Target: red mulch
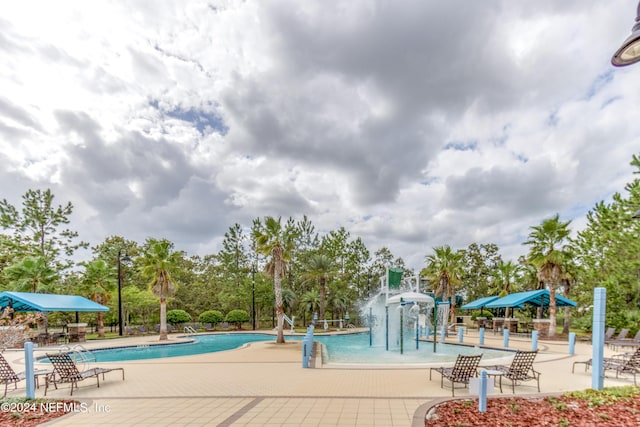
x,y
33,413
548,411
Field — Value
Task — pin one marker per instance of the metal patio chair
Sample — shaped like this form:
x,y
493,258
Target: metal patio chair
x,y
464,368
8,375
626,363
520,369
66,371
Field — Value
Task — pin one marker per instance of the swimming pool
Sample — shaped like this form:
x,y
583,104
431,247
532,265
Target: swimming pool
x,y
350,349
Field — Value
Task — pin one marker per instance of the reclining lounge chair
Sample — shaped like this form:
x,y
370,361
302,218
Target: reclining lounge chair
x,y
66,371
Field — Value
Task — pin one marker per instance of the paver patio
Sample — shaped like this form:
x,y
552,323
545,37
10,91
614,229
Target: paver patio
x,y
264,384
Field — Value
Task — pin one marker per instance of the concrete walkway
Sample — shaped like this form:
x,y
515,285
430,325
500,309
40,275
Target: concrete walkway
x,y
264,384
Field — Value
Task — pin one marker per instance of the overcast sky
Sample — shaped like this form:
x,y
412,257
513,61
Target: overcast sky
x,y
412,124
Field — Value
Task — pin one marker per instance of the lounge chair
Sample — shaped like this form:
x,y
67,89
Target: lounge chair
x,y
520,369
8,375
626,342
66,371
622,335
627,363
609,334
129,330
142,330
464,368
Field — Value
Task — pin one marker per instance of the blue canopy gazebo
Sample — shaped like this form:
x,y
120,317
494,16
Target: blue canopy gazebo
x,y
27,301
539,298
479,303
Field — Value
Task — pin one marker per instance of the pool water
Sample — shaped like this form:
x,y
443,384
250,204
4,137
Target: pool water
x,y
351,349
201,344
354,349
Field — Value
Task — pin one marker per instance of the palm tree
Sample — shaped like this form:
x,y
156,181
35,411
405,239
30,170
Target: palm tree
x,y
98,282
159,263
550,258
320,268
276,242
31,274
310,302
339,303
503,277
444,267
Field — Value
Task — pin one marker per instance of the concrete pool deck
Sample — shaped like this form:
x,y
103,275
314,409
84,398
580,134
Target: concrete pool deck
x,y
264,384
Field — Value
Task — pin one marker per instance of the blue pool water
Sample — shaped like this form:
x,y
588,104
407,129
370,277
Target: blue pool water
x,y
352,349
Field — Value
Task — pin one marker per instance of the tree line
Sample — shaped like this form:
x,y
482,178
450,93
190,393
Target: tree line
x,y
283,266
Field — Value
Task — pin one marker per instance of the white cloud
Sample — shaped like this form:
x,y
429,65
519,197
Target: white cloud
x,y
413,124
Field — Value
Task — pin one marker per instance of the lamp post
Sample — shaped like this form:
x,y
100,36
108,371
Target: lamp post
x,y
629,51
253,295
123,258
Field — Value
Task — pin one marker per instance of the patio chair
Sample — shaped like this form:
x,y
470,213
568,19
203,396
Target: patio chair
x,y
609,334
622,335
8,375
626,363
521,369
630,365
66,371
464,368
626,342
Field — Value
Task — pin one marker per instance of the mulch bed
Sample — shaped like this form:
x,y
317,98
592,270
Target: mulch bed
x,y
548,411
28,413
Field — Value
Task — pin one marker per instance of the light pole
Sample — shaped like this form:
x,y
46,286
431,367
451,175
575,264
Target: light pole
x,y
123,258
253,295
629,51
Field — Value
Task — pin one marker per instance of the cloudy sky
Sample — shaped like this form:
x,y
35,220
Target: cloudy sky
x,y
412,123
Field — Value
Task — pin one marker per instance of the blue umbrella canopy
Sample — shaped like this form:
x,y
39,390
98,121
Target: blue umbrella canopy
x,y
26,301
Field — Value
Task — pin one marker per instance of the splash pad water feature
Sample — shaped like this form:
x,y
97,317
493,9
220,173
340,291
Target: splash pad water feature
x,y
401,318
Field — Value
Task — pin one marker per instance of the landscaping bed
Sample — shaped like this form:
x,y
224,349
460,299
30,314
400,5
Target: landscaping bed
x,y
616,406
23,412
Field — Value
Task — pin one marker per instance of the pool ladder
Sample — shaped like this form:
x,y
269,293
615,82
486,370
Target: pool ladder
x,y
79,354
190,330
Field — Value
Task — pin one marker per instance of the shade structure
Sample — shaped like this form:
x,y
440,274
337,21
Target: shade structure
x,y
411,297
538,298
26,301
479,303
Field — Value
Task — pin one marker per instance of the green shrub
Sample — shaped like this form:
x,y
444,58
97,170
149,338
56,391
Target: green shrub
x,y
237,317
483,313
211,316
178,316
584,323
